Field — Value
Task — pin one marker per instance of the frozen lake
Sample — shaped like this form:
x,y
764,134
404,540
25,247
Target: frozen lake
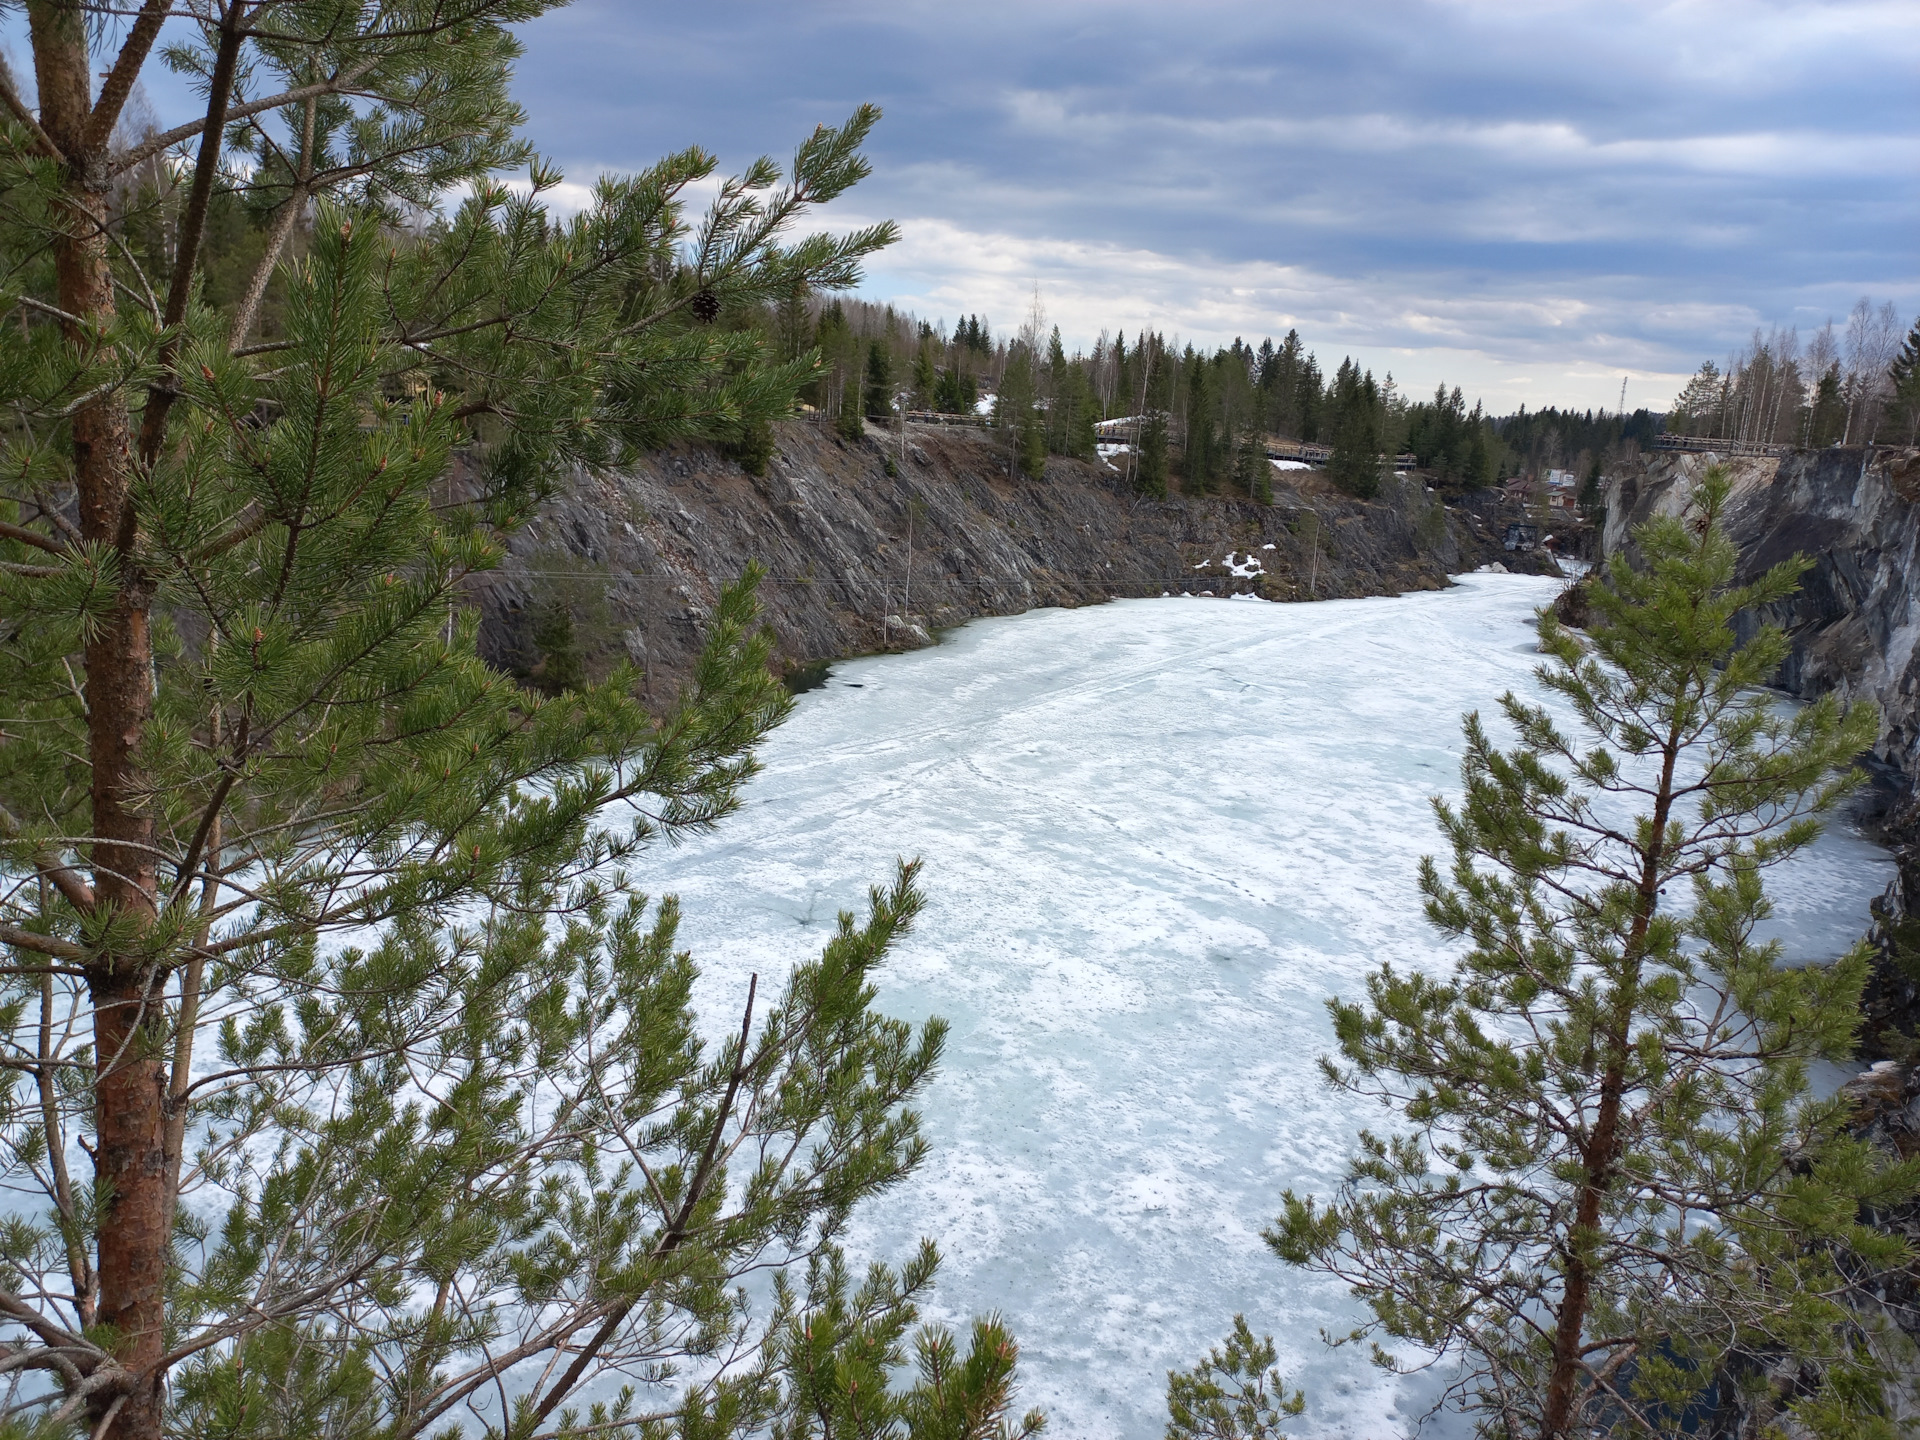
x,y
1158,835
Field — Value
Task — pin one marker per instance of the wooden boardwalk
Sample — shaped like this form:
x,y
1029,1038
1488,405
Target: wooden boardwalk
x,y
1709,445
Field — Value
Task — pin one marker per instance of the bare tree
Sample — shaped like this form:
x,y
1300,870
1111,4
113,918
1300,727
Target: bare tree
x,y
1873,339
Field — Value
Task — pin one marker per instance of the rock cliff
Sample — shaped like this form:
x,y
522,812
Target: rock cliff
x,y
1856,618
876,544
1855,513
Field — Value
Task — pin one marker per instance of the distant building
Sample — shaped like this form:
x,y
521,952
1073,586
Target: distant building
x,y
1559,491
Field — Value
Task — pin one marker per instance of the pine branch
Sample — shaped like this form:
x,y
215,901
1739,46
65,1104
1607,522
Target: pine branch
x,y
118,85
24,114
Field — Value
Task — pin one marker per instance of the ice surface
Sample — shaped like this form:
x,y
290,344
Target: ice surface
x,y
1158,836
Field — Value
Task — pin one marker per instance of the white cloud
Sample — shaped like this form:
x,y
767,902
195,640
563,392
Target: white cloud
x,y
1527,197
1511,346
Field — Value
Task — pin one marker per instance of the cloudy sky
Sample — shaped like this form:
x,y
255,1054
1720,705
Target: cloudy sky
x,y
1532,199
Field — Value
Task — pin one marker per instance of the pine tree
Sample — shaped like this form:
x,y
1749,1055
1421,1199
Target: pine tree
x,y
1233,1394
1032,439
1616,1182
1354,464
879,387
841,1349
1197,460
1827,416
925,378
1253,474
1903,378
1696,409
360,1085
1151,476
848,424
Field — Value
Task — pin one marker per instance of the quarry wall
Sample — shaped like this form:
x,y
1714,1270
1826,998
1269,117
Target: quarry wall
x,y
1855,513
879,543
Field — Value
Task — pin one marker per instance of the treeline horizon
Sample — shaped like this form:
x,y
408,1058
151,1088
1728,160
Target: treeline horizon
x,y
1204,417
1844,387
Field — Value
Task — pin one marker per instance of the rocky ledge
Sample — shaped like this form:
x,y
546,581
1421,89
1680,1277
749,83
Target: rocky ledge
x,y
879,543
1855,514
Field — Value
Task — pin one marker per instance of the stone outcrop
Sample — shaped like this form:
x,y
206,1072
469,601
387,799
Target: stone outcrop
x,y
1854,624
1855,513
876,544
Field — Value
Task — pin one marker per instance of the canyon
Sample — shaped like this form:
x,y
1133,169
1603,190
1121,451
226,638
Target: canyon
x,y
879,544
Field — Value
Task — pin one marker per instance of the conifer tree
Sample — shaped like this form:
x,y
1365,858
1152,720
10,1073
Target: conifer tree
x,y
848,424
1197,458
792,325
1354,464
1032,440
1151,476
1903,378
1082,439
1310,399
955,392
1280,381
1617,1185
354,1091
925,379
1252,474
1592,496
1126,385
1827,415
1479,470
1023,425
1233,1394
879,389
1696,409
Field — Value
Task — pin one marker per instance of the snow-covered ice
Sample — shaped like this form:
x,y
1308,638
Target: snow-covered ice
x,y
1158,836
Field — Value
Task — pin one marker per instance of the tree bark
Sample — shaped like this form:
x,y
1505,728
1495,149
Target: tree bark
x,y
125,981
1602,1154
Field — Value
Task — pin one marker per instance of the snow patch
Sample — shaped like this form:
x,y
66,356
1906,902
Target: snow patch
x,y
1247,568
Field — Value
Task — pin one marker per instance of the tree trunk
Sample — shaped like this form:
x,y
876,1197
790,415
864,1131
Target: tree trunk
x,y
1570,1325
124,982
1602,1154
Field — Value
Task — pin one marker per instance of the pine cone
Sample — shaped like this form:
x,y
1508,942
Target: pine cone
x,y
705,307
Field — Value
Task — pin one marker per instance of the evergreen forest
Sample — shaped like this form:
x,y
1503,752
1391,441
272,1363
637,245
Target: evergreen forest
x,y
353,1087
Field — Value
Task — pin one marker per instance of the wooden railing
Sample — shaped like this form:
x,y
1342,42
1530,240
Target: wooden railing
x,y
1707,444
943,417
